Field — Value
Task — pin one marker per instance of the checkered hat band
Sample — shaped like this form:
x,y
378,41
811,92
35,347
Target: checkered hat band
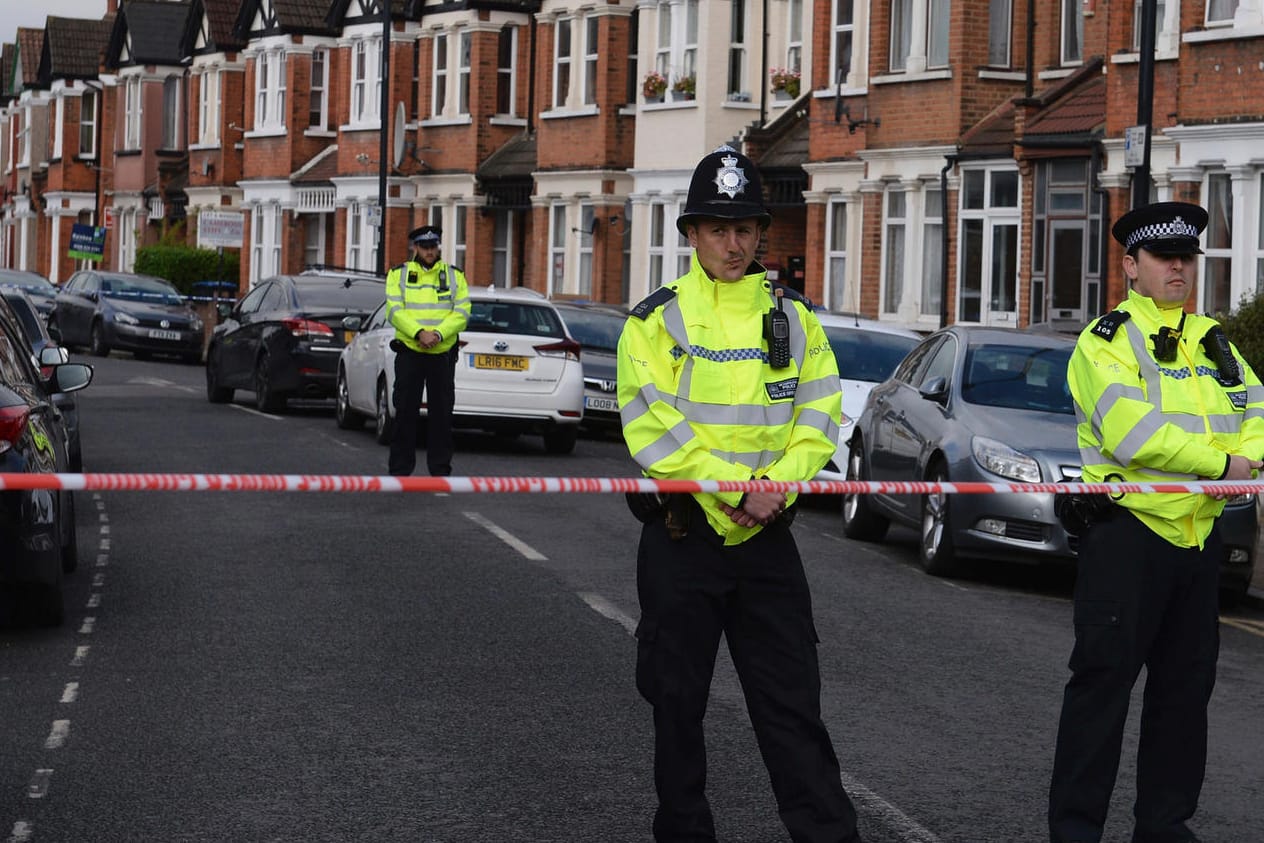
x,y
1161,231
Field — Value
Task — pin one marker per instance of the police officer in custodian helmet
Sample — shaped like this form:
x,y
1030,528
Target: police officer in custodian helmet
x,y
428,303
724,375
1160,395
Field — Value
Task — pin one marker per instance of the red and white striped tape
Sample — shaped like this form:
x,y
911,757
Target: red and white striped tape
x,y
116,482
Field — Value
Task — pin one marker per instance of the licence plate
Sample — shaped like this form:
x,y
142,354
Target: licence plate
x,y
164,335
591,403
504,362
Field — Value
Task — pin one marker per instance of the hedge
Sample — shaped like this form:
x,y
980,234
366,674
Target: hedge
x,y
1245,328
185,265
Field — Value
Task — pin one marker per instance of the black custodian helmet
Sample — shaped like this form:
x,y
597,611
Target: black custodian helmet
x,y
726,185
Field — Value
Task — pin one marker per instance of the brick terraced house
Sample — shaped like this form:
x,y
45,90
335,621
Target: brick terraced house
x,y
926,161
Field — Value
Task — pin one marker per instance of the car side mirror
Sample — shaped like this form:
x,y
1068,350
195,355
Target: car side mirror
x,y
224,310
70,377
93,295
935,389
53,355
352,323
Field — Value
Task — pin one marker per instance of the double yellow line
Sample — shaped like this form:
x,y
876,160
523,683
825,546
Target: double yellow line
x,y
1254,627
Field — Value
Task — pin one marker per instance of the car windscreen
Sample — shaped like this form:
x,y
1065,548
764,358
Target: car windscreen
x,y
511,317
139,288
28,280
1018,377
869,356
361,295
598,329
30,320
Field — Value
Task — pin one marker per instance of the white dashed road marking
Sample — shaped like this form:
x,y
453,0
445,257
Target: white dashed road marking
x,y
506,537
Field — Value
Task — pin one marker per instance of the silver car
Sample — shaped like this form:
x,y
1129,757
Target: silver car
x,y
969,404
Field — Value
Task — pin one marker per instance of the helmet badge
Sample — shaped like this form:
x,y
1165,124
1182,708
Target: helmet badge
x,y
730,179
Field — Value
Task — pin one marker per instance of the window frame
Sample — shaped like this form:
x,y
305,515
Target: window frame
x,y
270,90
318,101
563,43
89,95
133,109
439,75
836,254
209,103
507,73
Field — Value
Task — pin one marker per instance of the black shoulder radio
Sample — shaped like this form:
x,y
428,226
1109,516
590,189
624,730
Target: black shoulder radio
x,y
777,332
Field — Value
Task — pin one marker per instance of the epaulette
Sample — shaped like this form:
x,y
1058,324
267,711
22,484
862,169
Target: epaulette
x,y
401,267
1109,324
791,293
652,302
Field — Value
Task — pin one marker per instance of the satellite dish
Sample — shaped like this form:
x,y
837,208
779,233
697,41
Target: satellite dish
x,y
399,134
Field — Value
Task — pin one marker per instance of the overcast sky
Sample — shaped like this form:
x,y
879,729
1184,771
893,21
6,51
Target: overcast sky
x,y
15,13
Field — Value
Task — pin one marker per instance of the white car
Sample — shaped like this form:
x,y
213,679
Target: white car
x,y
867,352
517,372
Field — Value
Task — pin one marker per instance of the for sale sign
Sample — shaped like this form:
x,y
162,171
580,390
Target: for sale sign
x,y
221,229
87,242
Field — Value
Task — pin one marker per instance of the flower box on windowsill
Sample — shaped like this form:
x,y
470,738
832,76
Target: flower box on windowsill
x,y
654,100
781,95
681,96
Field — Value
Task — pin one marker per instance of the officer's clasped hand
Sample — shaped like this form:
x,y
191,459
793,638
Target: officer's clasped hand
x,y
758,508
1240,468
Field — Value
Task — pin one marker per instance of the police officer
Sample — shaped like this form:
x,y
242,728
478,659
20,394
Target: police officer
x,y
725,376
1160,394
428,303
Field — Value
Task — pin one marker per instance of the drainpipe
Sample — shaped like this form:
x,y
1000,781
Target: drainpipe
x,y
531,28
384,107
1030,73
949,162
1103,235
763,67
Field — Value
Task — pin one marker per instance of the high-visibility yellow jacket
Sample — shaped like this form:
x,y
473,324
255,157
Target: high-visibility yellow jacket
x,y
434,299
699,400
1143,420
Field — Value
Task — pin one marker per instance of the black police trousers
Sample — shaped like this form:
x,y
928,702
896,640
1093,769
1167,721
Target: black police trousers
x,y
1139,600
691,590
435,373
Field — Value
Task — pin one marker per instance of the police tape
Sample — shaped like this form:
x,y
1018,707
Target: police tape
x,y
146,482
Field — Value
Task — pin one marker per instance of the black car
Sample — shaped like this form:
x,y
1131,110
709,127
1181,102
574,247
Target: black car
x,y
283,339
37,527
40,289
37,337
137,313
596,327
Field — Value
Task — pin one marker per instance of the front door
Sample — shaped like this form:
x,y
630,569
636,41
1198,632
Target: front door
x,y
1066,269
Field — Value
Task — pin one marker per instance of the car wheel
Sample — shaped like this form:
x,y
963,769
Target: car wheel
x,y
344,415
266,398
96,340
561,439
936,552
383,423
215,392
859,520
54,330
69,547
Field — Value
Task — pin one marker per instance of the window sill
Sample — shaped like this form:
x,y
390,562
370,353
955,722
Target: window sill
x,y
201,147
827,93
357,127
1135,58
459,120
319,133
1056,73
668,105
277,132
506,120
564,113
1004,75
1223,33
924,76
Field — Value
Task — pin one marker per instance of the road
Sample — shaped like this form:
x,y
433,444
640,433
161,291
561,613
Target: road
x,y
413,667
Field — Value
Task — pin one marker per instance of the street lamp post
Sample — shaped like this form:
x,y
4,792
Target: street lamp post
x,y
383,141
1145,101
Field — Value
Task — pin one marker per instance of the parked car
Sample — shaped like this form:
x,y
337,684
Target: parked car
x,y
35,332
867,352
518,371
40,289
596,327
38,540
283,339
988,405
137,313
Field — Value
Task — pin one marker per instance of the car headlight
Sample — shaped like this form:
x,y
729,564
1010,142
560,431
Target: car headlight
x,y
999,458
125,318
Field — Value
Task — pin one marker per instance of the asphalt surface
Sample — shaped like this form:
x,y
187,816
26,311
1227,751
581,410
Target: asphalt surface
x,y
375,667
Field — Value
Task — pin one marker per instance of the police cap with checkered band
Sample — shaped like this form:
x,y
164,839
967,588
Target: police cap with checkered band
x,y
726,185
1164,228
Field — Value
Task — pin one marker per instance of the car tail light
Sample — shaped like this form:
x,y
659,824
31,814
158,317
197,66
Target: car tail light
x,y
562,348
12,425
307,328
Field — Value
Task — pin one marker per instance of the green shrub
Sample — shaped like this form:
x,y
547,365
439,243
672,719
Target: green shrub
x,y
1245,328
184,265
